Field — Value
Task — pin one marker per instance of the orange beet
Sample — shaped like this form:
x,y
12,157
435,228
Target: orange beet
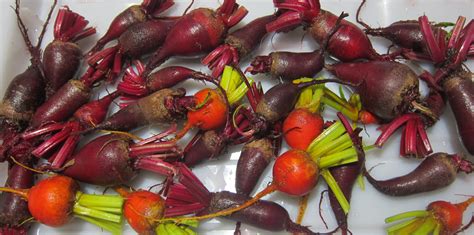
x,y
141,208
211,114
301,127
51,200
449,214
295,173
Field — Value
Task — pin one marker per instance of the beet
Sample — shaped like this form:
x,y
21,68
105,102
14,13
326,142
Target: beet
x,y
459,89
349,42
436,171
387,89
62,104
132,15
208,146
113,159
163,106
253,160
238,44
197,32
13,208
62,57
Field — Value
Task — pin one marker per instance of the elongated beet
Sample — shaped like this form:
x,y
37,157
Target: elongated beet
x,y
163,106
459,89
62,57
348,44
238,45
199,31
13,208
135,84
113,159
436,171
405,34
208,146
253,160
263,214
288,65
387,89
132,15
137,41
62,104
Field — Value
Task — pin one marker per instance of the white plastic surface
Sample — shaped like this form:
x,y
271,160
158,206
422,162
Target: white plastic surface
x,y
368,208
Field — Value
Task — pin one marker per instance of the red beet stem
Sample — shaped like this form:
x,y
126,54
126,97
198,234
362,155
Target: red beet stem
x,y
156,165
70,26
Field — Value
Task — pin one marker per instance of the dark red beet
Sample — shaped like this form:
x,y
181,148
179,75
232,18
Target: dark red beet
x,y
95,111
208,146
288,65
387,89
197,32
263,214
162,107
436,171
113,159
106,161
24,94
135,84
132,15
62,57
238,45
13,208
348,44
62,104
254,159
459,89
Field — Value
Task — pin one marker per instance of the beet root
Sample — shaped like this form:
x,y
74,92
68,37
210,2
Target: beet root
x,y
254,159
288,66
436,171
263,214
208,146
13,208
106,161
387,89
460,93
24,94
62,104
158,107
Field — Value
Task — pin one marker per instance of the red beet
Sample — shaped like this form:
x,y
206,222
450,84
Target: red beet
x,y
132,15
253,160
238,44
13,208
197,32
405,34
348,44
163,106
459,89
137,41
436,171
26,91
62,57
136,85
387,89
114,159
191,196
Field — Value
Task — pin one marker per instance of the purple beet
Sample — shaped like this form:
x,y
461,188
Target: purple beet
x,y
435,171
459,89
114,159
132,15
62,57
254,159
238,44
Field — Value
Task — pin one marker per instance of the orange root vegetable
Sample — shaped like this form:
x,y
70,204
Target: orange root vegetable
x,y
211,111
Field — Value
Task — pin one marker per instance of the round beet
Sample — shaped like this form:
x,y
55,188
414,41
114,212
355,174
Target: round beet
x,y
106,161
387,89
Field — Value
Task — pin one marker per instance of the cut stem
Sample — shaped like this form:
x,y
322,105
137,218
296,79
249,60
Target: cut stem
x,y
114,228
80,210
101,201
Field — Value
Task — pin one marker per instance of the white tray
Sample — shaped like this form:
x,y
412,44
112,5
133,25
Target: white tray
x,y
368,208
